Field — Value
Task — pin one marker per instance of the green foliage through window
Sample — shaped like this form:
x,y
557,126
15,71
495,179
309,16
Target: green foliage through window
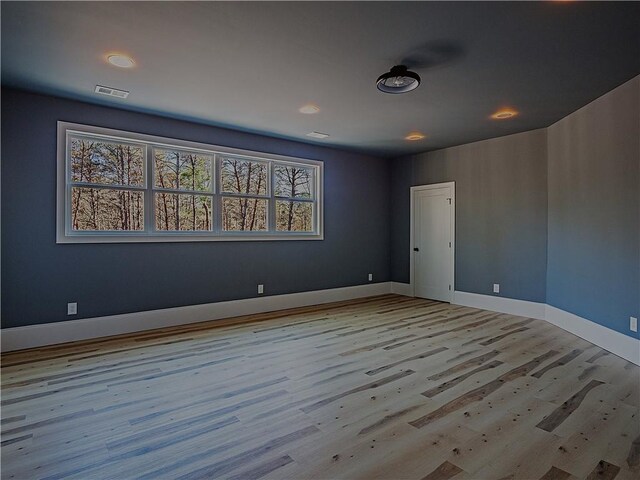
x,y
178,170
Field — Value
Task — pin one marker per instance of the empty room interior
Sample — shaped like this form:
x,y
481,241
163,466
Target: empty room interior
x,y
320,240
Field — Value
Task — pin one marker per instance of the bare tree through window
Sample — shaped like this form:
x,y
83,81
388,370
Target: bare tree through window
x,y
247,181
177,171
295,184
113,183
97,165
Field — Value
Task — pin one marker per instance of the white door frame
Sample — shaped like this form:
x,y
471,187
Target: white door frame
x,y
414,190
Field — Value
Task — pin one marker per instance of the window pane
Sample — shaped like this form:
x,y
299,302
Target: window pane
x,y
293,182
179,212
243,176
102,209
182,170
107,163
244,214
294,216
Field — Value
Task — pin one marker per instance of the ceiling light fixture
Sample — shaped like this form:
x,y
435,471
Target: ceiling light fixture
x,y
120,60
317,135
504,113
413,136
309,109
398,80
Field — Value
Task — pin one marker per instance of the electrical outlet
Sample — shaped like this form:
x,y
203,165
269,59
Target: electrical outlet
x,y
633,324
72,308
260,289
496,288
371,277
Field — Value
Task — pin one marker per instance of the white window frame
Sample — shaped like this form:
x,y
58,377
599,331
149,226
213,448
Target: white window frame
x,y
64,233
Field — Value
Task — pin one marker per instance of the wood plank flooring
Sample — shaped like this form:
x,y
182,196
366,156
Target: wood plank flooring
x,y
386,387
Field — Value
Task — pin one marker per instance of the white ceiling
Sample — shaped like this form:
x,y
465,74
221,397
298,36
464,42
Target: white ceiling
x,y
251,65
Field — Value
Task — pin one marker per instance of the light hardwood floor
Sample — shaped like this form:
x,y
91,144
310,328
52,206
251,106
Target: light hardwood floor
x,y
387,387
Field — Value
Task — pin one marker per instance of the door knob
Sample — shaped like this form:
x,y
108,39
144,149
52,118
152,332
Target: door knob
x,y
416,249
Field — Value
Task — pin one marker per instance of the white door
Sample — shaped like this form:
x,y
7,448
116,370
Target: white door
x,y
432,245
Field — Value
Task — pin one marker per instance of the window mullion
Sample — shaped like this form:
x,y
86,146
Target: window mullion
x,y
217,197
104,186
272,200
296,199
197,193
149,203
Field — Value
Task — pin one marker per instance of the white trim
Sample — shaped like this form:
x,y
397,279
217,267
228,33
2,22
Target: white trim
x,y
615,342
622,345
500,304
413,191
64,235
402,289
18,338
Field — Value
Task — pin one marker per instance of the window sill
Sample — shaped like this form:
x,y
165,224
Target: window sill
x,y
181,238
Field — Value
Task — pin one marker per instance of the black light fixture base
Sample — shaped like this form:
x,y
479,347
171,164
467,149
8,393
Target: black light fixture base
x,y
398,80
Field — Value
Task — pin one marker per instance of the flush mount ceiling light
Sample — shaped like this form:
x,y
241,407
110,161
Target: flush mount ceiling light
x,y
398,80
504,113
309,109
414,136
120,60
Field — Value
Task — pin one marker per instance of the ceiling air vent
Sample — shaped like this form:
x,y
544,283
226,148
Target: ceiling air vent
x,y
317,135
112,92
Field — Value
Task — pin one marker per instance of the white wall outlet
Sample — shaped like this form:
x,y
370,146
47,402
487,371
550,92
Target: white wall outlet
x,y
260,289
371,277
633,324
72,308
496,288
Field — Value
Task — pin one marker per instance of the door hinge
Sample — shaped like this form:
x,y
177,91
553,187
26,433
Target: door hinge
x,y
449,201
449,244
449,287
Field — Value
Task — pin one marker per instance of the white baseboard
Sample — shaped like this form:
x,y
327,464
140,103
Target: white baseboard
x,y
500,304
615,342
31,336
18,338
402,289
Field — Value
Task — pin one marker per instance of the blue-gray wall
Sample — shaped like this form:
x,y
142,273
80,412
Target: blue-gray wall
x,y
39,277
501,212
553,215
594,210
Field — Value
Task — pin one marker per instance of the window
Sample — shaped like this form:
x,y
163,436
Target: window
x,y
118,186
182,190
244,193
294,198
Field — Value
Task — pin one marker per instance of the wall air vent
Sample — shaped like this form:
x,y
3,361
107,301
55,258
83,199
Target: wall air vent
x,y
112,92
317,135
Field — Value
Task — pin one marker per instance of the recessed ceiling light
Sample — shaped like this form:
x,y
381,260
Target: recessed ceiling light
x,y
119,60
309,109
413,136
504,113
317,135
398,80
